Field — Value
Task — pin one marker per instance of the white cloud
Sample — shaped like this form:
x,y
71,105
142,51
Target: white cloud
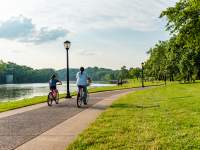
x,y
88,53
45,35
76,15
138,15
22,29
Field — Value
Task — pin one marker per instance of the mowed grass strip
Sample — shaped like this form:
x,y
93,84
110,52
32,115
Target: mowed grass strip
x,y
10,105
157,118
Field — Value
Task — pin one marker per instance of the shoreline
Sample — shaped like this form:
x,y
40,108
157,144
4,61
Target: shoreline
x,y
10,105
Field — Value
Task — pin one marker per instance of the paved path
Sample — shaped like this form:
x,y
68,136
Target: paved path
x,y
21,127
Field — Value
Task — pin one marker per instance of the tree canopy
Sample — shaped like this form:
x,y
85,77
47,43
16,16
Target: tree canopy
x,y
24,74
179,57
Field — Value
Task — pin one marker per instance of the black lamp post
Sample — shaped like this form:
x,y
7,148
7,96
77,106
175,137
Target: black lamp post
x,y
142,74
67,45
165,72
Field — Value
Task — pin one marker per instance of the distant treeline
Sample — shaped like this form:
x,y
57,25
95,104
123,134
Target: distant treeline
x,y
24,74
97,74
103,74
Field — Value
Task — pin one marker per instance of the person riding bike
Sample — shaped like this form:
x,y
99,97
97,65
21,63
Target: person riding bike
x,y
53,82
82,82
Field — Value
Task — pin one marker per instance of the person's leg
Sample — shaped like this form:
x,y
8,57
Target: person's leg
x,y
85,93
54,91
79,88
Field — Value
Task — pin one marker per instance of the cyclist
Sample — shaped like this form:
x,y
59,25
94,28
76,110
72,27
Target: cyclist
x,y
82,82
52,83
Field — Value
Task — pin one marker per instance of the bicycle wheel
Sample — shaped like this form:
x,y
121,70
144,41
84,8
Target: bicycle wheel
x,y
57,98
50,99
80,98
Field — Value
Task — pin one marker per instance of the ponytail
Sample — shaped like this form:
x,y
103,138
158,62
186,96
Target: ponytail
x,y
82,69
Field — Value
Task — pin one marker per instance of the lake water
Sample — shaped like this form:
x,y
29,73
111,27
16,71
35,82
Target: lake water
x,y
9,92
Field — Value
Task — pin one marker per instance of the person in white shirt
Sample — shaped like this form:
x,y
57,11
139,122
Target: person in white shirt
x,y
82,82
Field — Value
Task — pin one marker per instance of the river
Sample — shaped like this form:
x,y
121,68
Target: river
x,y
10,92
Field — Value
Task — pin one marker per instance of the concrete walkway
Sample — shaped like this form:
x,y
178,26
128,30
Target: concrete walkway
x,y
41,127
60,136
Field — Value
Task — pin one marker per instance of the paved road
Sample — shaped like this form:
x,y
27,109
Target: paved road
x,y
17,129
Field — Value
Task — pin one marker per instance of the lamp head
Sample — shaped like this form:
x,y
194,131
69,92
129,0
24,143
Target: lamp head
x,y
67,44
142,64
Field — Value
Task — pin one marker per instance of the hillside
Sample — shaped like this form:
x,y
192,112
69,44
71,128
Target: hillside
x,y
22,74
97,74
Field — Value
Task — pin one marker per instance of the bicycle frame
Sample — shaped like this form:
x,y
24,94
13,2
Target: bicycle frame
x,y
53,96
80,96
54,93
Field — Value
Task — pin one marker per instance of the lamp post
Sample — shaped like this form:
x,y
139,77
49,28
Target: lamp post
x,y
142,74
67,45
165,77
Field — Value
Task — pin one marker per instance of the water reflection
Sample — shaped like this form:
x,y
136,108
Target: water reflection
x,y
10,93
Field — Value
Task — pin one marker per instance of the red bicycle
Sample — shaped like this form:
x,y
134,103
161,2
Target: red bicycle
x,y
53,96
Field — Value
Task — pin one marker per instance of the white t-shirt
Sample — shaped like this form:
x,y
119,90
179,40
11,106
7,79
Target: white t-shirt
x,y
81,78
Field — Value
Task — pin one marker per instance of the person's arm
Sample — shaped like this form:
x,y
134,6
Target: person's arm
x,y
59,82
88,79
77,75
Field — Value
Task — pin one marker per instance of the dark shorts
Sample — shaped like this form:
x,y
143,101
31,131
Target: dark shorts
x,y
53,88
82,87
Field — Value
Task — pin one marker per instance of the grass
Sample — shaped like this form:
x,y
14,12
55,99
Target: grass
x,y
10,105
158,118
130,84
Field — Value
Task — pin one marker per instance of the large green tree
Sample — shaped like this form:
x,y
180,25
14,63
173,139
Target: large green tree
x,y
179,56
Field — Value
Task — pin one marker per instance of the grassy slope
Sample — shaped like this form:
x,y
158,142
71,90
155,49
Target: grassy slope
x,y
158,118
5,106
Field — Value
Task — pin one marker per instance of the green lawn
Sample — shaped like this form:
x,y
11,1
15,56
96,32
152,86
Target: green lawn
x,y
130,84
5,106
157,118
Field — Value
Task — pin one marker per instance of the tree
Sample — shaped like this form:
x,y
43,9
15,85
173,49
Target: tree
x,y
124,73
178,57
184,23
2,71
135,73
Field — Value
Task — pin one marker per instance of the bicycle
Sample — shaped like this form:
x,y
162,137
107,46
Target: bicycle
x,y
53,96
81,98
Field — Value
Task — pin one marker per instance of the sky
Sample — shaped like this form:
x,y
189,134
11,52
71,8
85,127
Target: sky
x,y
103,33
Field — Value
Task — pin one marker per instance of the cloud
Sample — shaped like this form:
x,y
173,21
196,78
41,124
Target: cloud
x,y
17,51
87,53
45,35
81,15
23,30
137,15
16,27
